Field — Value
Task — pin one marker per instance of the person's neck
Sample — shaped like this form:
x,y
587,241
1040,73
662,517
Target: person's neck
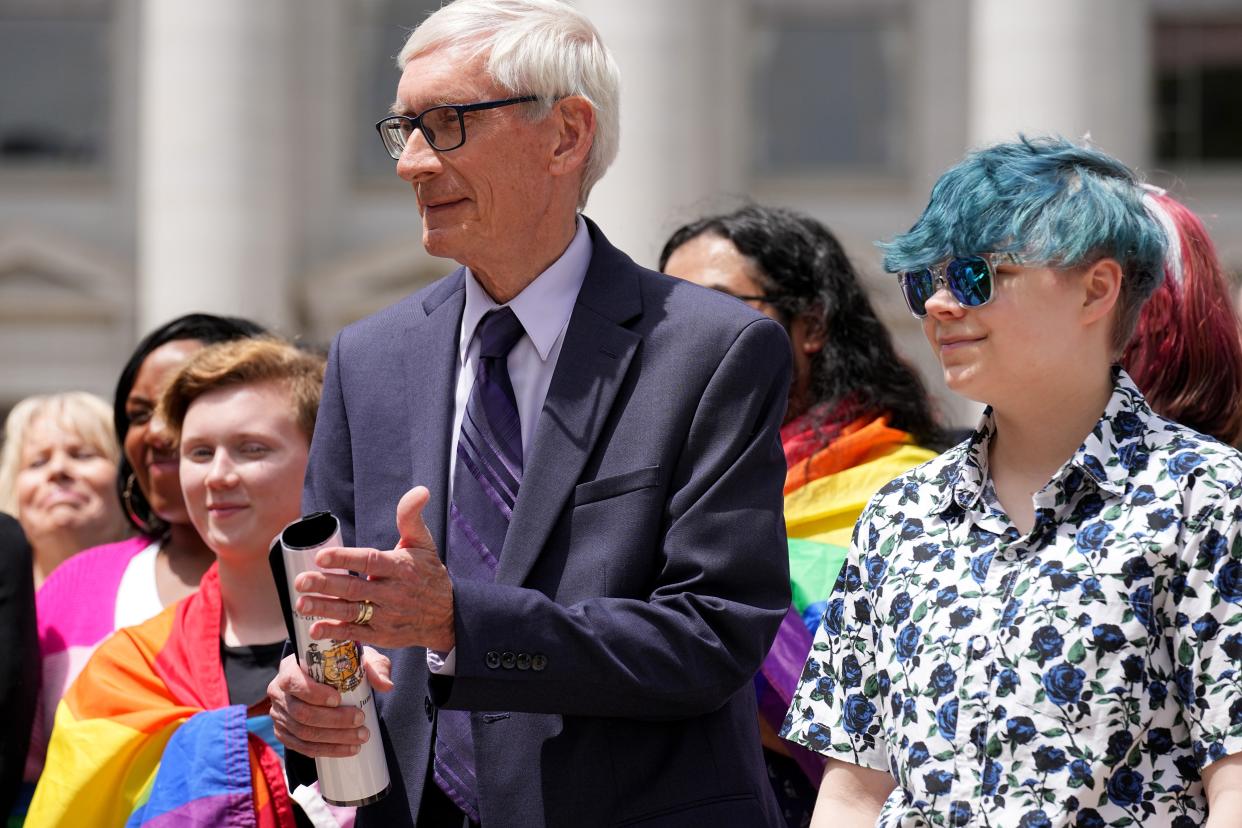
x,y
1036,436
183,558
252,612
511,274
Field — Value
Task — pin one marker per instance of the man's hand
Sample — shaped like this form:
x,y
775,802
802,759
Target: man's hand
x,y
307,715
409,588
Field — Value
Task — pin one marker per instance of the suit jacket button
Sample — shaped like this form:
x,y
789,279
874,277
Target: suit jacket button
x,y
523,661
492,659
427,707
538,661
507,660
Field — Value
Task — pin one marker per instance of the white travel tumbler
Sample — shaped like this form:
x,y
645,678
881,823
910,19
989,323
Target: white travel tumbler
x,y
353,780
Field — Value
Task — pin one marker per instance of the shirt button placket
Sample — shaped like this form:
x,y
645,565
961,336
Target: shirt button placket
x,y
974,706
974,710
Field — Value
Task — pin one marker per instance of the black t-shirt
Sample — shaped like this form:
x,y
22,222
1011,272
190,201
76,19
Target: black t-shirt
x,y
249,670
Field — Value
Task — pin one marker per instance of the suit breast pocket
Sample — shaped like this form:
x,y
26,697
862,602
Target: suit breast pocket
x,y
611,537
616,485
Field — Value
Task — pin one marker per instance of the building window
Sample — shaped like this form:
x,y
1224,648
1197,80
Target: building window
x,y
1198,74
827,89
381,28
55,99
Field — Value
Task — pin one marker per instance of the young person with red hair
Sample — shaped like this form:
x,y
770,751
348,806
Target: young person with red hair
x,y
1186,352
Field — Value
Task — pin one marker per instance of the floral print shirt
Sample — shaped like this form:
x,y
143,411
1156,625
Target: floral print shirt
x,y
1081,675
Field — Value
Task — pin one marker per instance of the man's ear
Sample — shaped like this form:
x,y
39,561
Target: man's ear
x,y
1101,284
575,120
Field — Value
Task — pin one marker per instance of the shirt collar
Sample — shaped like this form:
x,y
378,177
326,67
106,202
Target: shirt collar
x,y
543,307
1100,457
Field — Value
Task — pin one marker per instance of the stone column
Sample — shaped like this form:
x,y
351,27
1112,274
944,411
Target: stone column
x,y
683,74
1071,67
216,132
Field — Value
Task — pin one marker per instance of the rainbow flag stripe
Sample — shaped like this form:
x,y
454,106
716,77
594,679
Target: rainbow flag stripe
x,y
824,496
146,736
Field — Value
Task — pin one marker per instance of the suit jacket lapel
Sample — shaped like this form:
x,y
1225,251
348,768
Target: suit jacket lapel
x,y
592,365
430,359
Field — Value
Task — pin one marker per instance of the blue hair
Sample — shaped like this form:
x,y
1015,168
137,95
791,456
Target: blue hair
x,y
1046,200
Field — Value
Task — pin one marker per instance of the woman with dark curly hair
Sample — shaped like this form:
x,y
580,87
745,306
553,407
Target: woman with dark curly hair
x,y
792,268
858,416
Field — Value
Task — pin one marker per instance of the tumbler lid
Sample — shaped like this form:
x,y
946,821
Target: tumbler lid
x,y
310,531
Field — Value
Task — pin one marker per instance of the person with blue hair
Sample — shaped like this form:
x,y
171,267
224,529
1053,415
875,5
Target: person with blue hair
x,y
1042,626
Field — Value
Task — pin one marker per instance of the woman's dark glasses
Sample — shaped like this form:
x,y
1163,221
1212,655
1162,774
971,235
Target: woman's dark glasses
x,y
971,280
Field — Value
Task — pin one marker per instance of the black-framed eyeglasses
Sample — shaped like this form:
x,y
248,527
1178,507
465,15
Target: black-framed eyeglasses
x,y
442,126
971,280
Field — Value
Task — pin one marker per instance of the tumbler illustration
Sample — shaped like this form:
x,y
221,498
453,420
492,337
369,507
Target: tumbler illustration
x,y
354,780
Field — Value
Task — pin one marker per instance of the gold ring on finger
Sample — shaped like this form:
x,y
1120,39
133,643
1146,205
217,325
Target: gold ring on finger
x,y
365,610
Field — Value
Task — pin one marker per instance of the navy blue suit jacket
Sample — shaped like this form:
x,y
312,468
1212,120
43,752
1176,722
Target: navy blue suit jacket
x,y
644,573
19,651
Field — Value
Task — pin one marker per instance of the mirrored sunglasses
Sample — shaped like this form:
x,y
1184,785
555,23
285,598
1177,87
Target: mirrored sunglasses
x,y
970,279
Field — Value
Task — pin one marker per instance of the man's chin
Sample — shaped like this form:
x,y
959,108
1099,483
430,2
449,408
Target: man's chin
x,y
441,241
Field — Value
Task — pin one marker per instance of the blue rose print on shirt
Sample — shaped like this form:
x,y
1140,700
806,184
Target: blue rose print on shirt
x,y
1080,674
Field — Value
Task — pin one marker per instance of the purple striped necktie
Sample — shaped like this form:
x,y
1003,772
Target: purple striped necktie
x,y
485,487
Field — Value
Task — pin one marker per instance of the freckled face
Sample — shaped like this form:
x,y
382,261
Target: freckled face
x,y
243,458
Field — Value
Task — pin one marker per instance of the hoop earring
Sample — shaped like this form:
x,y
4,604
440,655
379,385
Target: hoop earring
x,y
127,500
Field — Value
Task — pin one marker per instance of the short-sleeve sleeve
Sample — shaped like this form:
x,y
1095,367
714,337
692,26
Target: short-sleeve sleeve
x,y
836,709
1206,623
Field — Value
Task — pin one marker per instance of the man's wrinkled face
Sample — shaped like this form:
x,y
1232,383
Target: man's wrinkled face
x,y
477,200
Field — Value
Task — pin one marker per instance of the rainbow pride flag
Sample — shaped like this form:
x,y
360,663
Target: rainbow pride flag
x,y
146,736
824,495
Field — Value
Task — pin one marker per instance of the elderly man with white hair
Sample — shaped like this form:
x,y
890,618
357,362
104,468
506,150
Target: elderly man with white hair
x,y
560,472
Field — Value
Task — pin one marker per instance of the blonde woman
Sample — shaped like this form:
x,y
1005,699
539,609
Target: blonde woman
x,y
56,476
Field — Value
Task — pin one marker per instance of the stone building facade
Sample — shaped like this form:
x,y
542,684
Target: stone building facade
x,y
158,157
